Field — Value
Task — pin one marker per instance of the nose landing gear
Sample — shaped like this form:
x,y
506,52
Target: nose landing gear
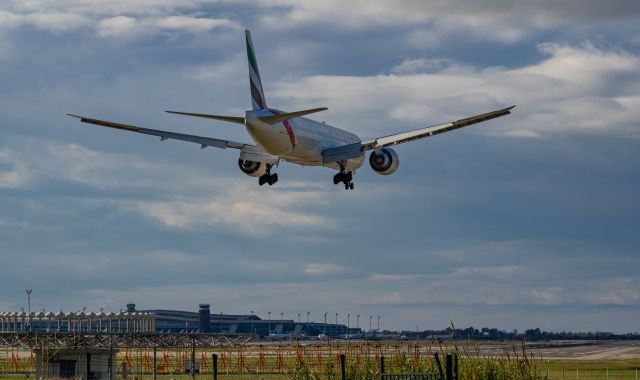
x,y
268,178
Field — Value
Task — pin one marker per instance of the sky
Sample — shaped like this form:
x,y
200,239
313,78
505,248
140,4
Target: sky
x,y
530,220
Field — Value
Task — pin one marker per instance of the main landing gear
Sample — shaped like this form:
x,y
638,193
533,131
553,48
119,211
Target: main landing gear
x,y
345,177
268,178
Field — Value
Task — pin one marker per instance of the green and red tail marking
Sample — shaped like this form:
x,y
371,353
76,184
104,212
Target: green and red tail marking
x,y
257,93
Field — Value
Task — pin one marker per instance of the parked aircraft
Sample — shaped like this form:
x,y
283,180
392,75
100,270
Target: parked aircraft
x,y
288,136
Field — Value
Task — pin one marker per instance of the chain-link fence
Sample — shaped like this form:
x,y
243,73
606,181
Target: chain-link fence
x,y
204,358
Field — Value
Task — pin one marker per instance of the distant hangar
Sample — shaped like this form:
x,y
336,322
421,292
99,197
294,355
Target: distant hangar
x,y
165,321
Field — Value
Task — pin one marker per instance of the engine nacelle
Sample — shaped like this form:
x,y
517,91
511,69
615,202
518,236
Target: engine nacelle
x,y
384,162
252,168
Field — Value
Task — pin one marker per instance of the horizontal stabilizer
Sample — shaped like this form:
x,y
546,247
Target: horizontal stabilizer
x,y
289,115
229,119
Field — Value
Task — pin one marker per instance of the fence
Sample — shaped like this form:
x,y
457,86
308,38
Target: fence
x,y
287,360
598,373
170,358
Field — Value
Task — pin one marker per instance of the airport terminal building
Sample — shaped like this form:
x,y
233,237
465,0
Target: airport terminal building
x,y
166,321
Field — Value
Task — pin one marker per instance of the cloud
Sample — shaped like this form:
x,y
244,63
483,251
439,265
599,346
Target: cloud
x,y
117,26
489,230
234,202
55,22
232,69
484,271
252,212
394,277
33,161
322,268
111,8
194,24
13,173
574,89
496,21
359,12
123,19
425,65
128,27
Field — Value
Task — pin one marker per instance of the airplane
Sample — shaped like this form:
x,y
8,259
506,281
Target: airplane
x,y
288,136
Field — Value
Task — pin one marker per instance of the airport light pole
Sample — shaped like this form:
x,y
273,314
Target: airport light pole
x,y
325,323
358,321
308,316
378,323
28,291
348,335
336,318
370,318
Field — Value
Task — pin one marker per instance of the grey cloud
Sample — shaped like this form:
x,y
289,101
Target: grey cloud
x,y
574,90
123,19
476,226
540,12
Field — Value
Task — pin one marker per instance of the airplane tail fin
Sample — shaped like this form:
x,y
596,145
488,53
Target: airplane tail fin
x,y
257,94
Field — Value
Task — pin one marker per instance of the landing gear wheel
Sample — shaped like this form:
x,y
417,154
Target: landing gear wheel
x,y
344,178
268,178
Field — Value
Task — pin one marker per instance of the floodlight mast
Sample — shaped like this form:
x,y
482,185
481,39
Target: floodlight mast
x,y
28,291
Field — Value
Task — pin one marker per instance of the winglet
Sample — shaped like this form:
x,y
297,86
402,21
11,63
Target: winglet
x,y
104,123
484,117
278,118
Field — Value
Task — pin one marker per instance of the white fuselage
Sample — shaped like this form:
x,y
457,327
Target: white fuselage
x,y
299,140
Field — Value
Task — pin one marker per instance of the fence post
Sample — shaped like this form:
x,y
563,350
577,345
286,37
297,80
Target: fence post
x,y
110,360
439,364
343,367
449,367
381,366
455,366
214,359
155,351
193,359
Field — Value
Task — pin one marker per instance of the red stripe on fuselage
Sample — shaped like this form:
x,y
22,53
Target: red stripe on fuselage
x,y
292,137
287,127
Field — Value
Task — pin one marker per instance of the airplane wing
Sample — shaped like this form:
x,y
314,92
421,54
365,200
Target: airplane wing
x,y
345,152
248,151
421,133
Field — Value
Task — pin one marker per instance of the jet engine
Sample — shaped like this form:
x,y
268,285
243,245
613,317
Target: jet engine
x,y
252,168
385,161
